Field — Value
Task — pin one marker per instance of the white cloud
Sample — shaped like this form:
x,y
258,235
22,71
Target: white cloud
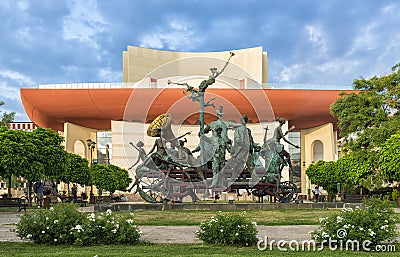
x,y
289,74
8,92
23,5
367,39
177,35
317,39
109,75
19,78
83,22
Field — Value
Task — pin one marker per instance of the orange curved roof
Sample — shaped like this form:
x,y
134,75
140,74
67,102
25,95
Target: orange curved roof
x,y
95,108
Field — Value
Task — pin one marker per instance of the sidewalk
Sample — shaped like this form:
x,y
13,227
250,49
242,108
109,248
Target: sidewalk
x,y
175,234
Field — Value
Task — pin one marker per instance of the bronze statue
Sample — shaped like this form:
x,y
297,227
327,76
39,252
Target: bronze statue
x,y
220,147
278,135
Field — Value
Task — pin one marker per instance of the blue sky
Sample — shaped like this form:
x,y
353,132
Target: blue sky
x,y
308,42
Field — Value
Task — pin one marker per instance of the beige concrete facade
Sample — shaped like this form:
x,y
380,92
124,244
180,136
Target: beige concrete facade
x,y
310,153
139,63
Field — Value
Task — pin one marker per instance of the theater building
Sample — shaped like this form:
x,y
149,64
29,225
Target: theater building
x,y
115,114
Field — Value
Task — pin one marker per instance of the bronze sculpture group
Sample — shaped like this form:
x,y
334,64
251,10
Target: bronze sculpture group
x,y
169,162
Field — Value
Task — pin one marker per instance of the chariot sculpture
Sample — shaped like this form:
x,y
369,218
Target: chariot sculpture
x,y
170,171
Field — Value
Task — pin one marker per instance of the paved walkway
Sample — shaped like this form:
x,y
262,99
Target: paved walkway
x,y
174,234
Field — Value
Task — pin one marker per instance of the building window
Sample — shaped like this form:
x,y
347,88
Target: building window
x,y
295,156
104,147
318,150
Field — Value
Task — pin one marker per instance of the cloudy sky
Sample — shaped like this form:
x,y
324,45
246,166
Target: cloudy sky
x,y
308,41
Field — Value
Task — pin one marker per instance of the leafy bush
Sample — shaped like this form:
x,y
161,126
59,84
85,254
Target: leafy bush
x,y
64,224
50,226
395,194
106,229
228,229
376,223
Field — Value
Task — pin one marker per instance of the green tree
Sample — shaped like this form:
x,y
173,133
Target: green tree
x,y
32,155
7,118
389,158
110,177
49,152
370,116
16,155
76,170
367,118
326,175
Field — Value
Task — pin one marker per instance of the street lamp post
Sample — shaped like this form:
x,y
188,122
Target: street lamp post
x,y
91,145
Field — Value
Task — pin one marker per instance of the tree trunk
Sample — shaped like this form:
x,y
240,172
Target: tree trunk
x,y
28,190
9,188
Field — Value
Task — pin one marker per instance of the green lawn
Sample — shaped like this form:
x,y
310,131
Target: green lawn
x,y
268,217
143,250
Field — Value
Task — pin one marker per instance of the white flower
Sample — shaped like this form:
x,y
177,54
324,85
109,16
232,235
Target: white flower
x,y
114,230
78,228
47,228
55,239
132,214
361,229
108,212
29,236
47,218
51,209
254,223
222,230
372,233
386,221
55,221
129,221
43,231
236,234
339,219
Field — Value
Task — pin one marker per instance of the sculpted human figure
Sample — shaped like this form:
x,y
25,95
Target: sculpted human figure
x,y
278,135
160,141
142,153
218,164
242,149
219,123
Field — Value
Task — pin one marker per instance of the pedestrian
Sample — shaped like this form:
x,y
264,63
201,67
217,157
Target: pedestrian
x,y
74,191
40,192
316,194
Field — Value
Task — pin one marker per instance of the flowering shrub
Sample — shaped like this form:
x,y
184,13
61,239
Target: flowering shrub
x,y
64,224
106,229
228,229
376,223
51,226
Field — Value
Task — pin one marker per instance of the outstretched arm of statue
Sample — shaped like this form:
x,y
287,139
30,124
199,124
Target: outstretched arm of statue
x,y
137,161
290,143
214,71
134,146
265,134
153,148
176,138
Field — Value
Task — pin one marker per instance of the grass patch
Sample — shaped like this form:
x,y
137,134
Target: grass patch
x,y
145,250
267,217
